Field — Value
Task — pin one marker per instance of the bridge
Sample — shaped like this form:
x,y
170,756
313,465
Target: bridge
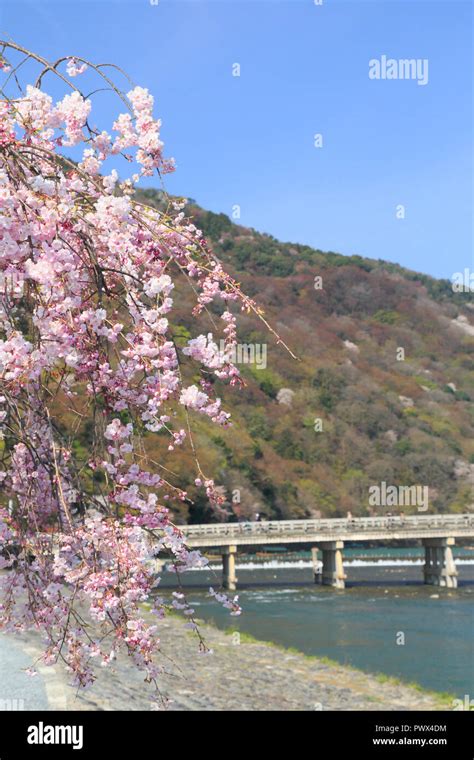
x,y
437,533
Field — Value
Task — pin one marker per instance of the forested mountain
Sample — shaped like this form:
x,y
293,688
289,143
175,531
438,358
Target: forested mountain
x,y
382,390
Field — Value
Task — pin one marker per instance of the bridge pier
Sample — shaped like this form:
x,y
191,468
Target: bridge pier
x,y
333,569
440,569
229,580
317,568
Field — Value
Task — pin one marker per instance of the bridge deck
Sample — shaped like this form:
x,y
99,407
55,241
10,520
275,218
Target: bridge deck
x,y
319,531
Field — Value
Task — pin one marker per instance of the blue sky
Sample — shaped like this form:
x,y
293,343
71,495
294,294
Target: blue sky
x,y
249,140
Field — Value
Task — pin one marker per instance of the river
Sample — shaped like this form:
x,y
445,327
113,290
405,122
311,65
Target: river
x,y
386,620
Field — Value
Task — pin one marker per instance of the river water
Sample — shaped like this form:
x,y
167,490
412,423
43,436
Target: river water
x,y
386,620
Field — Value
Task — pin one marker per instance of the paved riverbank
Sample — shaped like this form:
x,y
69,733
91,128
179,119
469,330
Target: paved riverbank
x,y
47,690
238,676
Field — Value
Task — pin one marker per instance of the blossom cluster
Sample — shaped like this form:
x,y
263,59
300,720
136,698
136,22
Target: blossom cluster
x,y
91,331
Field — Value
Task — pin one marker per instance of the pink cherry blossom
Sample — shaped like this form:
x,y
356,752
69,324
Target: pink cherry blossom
x,y
88,337
74,68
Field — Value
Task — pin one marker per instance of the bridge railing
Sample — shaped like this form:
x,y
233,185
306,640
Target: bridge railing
x,y
329,525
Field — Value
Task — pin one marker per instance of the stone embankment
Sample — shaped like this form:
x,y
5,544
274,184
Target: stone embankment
x,y
242,674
